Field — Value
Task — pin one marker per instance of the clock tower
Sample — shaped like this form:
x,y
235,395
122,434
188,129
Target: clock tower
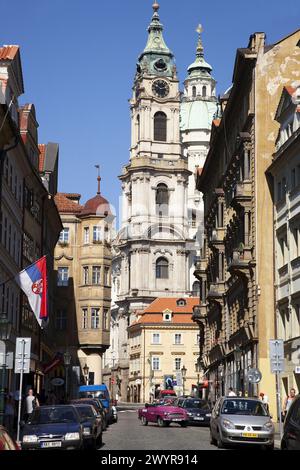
x,y
152,247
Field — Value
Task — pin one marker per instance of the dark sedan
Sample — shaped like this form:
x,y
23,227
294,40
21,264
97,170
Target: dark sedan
x,y
291,434
198,410
96,403
53,427
92,426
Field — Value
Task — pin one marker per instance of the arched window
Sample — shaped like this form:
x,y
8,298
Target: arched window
x,y
160,127
194,92
204,91
162,200
196,289
162,268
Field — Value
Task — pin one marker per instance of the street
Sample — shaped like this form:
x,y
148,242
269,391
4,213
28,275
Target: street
x,y
129,434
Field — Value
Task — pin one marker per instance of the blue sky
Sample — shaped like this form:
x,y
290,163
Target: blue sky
x,y
79,59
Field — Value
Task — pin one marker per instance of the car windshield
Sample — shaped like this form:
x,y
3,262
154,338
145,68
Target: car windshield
x,y
244,407
198,404
64,414
85,411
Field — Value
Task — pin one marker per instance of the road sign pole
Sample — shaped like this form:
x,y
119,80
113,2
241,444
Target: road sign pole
x,y
278,394
20,390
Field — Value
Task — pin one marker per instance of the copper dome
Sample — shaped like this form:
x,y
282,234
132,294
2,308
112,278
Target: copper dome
x,y
97,206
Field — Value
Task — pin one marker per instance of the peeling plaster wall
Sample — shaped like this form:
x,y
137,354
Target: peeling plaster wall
x,y
276,68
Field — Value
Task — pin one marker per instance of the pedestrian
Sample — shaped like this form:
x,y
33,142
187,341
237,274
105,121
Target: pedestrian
x,y
231,392
265,399
9,413
288,401
31,402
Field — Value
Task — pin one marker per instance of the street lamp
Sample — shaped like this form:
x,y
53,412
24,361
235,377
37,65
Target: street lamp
x,y
237,358
86,373
5,331
67,362
183,374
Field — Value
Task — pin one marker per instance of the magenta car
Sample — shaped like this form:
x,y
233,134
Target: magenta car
x,y
162,414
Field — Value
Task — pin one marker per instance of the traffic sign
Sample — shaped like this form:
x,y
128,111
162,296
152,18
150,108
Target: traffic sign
x,y
22,364
254,376
277,355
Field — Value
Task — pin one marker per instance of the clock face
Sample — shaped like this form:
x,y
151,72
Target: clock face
x,y
160,88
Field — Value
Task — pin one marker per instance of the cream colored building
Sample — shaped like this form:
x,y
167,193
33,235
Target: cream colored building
x,y
162,341
285,182
83,264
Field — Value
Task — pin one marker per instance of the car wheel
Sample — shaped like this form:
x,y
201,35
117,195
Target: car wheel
x,y
167,423
144,421
183,425
160,422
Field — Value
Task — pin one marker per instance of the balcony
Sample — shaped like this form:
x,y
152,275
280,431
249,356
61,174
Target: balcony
x,y
216,291
217,238
242,194
199,313
242,261
200,268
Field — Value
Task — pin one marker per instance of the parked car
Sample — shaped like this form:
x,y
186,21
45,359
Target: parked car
x,y
101,392
92,425
198,410
96,403
166,393
6,441
49,427
237,420
162,414
291,430
114,414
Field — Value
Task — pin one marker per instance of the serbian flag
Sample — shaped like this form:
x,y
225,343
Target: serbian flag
x,y
33,282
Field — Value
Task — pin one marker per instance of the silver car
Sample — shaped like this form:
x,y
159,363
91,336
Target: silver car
x,y
238,420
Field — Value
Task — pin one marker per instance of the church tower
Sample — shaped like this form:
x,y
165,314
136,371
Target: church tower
x,y
198,108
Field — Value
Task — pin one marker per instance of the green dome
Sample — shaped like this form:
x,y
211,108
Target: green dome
x,y
197,114
199,65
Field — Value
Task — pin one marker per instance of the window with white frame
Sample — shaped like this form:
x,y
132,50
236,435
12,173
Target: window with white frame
x,y
155,338
155,363
64,235
85,275
95,318
96,275
84,318
105,318
96,233
106,276
178,363
178,338
63,277
86,235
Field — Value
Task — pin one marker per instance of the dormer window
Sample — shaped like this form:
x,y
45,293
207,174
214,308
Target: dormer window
x,y
167,316
181,302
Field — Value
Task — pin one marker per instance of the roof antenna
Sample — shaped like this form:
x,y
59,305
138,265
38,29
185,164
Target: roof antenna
x,y
98,178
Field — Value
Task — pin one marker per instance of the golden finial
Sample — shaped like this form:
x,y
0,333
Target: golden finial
x,y
155,6
199,29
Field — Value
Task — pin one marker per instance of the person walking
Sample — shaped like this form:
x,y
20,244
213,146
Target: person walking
x,y
31,402
265,399
288,401
231,392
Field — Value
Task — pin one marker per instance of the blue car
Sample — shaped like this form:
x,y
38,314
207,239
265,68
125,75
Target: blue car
x,y
101,392
53,427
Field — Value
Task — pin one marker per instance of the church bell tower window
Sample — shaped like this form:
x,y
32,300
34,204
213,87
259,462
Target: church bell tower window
x,y
160,127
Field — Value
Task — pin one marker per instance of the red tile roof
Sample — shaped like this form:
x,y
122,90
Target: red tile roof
x,y
66,205
42,149
162,303
8,52
157,318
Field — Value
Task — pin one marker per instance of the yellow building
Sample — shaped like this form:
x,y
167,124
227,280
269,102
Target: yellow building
x,y
163,341
83,265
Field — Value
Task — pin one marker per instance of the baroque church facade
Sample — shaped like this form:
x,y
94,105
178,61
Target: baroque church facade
x,y
155,249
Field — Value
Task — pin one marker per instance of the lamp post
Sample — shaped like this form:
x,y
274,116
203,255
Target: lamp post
x,y
237,358
86,373
183,374
5,331
67,362
198,377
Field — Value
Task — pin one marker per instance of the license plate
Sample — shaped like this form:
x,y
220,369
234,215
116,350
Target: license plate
x,y
176,419
249,434
51,444
199,419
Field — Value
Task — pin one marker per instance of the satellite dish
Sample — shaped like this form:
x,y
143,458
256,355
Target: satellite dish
x,y
254,376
